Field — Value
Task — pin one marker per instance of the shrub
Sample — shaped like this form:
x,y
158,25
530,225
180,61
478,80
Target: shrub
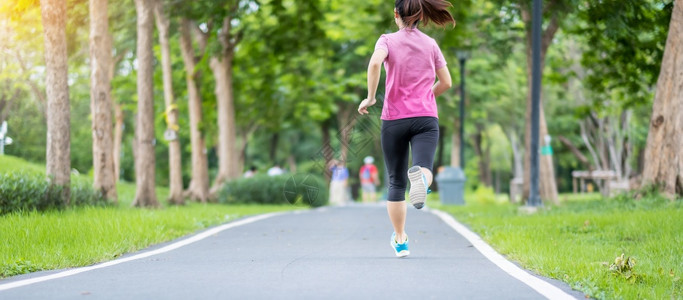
x,y
485,195
32,191
310,189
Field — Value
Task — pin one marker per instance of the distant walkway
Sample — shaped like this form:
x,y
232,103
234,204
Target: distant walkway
x,y
327,253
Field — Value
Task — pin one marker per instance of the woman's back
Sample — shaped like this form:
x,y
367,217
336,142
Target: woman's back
x,y
411,62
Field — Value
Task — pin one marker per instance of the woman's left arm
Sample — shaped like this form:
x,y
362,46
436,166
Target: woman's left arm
x,y
444,82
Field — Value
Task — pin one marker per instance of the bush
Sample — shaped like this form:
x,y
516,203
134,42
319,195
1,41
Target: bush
x,y
485,195
32,191
310,189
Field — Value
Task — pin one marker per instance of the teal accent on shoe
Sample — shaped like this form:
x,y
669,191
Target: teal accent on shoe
x,y
401,250
424,179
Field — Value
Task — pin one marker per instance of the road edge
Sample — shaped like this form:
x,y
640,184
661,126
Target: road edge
x,y
170,247
539,285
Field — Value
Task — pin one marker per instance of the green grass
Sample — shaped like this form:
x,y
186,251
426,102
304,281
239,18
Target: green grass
x,y
83,236
577,241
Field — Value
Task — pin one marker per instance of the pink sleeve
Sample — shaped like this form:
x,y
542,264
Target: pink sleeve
x,y
439,60
382,43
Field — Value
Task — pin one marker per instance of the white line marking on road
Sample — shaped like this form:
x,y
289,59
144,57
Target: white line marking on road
x,y
544,288
171,247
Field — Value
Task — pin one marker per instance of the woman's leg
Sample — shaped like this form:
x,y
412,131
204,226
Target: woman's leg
x,y
396,149
423,145
397,215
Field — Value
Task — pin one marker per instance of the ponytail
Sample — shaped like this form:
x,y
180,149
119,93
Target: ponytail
x,y
413,12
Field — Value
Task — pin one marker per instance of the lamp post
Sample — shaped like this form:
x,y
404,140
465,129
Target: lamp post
x,y
463,56
534,197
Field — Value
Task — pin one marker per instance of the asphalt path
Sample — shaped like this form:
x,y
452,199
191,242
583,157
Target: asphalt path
x,y
331,253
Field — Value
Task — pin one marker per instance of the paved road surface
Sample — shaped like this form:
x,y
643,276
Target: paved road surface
x,y
334,252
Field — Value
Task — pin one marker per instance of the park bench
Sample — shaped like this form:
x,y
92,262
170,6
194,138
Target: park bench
x,y
607,180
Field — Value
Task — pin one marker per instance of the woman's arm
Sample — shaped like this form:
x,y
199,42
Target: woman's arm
x,y
374,70
444,82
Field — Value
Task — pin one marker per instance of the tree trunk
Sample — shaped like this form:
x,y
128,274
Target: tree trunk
x,y
100,100
291,161
484,170
228,153
546,174
455,145
346,120
517,155
439,160
577,153
145,160
487,160
175,195
547,185
664,150
274,141
199,186
58,154
327,151
118,138
37,91
221,66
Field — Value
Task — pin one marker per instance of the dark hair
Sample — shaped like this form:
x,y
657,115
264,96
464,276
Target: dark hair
x,y
413,12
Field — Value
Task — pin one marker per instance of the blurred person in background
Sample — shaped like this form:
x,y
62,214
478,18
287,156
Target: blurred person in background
x,y
369,180
250,173
339,183
275,170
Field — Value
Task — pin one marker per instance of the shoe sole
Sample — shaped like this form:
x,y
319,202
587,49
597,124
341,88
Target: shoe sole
x,y
403,253
418,190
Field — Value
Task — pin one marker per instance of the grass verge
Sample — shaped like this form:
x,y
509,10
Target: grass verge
x,y
579,240
82,236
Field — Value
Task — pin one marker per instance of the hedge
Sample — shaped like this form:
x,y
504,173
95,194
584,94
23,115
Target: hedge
x,y
32,191
309,189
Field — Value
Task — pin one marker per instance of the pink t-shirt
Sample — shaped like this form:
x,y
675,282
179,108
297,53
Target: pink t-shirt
x,y
411,64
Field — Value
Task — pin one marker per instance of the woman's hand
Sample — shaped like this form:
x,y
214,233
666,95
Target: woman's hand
x,y
363,107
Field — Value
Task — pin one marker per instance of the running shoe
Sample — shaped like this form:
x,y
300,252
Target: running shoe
x,y
418,187
401,250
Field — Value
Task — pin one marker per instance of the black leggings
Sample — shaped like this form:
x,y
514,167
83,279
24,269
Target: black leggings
x,y
422,134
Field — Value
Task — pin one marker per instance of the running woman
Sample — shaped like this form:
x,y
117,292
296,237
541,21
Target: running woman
x,y
412,60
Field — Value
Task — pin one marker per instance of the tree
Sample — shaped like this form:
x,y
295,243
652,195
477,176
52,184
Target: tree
x,y
145,195
626,43
100,100
199,185
175,195
58,156
221,66
664,150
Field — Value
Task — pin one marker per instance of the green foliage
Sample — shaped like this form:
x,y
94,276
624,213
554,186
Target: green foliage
x,y
623,266
300,63
626,45
32,191
18,267
484,195
306,189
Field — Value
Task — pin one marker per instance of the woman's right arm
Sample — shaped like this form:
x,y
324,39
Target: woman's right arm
x,y
444,82
374,70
